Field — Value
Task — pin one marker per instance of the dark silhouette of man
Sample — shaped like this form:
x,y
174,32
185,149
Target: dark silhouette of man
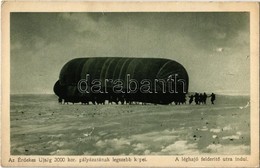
x,y
196,98
213,98
205,98
191,99
201,98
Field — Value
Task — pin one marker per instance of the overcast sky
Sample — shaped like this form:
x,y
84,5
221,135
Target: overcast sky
x,y
213,47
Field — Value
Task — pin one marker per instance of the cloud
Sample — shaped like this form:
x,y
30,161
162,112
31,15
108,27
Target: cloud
x,y
231,137
220,49
115,143
161,137
204,128
227,128
63,152
213,147
180,148
217,130
40,38
139,146
238,133
228,149
147,152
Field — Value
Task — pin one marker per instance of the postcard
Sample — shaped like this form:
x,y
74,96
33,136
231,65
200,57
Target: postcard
x,y
130,84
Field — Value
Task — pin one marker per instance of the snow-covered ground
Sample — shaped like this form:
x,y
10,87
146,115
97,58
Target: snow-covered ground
x,y
41,126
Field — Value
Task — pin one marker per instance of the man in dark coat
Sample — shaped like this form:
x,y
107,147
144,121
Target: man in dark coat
x,y
196,98
191,99
213,98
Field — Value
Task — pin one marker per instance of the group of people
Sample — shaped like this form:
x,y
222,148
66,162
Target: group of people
x,y
200,98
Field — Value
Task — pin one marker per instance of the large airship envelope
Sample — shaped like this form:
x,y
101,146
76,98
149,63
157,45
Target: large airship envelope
x,y
120,68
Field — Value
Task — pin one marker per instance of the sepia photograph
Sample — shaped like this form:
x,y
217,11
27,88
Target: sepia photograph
x,y
120,84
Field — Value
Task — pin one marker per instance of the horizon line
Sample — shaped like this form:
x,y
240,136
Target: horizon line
x,y
224,94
